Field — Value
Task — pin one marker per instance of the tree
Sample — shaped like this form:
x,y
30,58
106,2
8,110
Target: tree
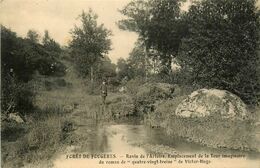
x,y
33,36
159,25
46,37
105,69
137,61
51,45
90,42
16,71
124,70
137,65
20,58
220,50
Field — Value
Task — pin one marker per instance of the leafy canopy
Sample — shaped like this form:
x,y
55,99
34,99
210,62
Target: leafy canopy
x,y
158,23
90,41
220,50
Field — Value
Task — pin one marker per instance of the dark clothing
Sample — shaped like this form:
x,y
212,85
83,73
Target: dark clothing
x,y
103,90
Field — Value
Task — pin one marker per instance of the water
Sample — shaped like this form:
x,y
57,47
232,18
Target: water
x,y
125,140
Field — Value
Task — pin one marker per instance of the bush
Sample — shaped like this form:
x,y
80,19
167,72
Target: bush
x,y
11,130
235,134
45,134
51,67
148,94
121,105
133,85
16,96
162,110
113,84
33,141
61,82
21,58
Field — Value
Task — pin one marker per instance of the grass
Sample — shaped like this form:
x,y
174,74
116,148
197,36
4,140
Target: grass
x,y
212,131
47,127
64,103
62,106
31,142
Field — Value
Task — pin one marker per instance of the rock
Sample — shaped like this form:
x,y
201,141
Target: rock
x,y
16,117
122,89
205,102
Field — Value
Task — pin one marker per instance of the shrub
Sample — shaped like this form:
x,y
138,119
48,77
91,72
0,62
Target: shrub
x,y
16,96
21,58
235,134
33,141
61,82
133,85
121,105
148,94
11,130
45,134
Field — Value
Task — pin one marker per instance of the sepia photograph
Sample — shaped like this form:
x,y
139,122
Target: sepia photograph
x,y
130,83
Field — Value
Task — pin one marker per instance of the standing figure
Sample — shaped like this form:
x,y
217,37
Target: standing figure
x,y
103,90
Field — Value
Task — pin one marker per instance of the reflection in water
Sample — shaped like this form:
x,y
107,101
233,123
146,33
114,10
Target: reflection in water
x,y
99,141
122,139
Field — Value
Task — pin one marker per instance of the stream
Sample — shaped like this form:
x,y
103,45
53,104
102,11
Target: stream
x,y
121,144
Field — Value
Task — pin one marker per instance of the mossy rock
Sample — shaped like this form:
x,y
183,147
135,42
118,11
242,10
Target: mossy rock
x,y
207,102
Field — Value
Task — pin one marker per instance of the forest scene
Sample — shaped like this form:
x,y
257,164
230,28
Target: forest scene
x,y
190,83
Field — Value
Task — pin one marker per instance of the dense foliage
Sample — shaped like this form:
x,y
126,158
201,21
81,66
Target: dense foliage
x,y
215,42
220,50
90,43
20,59
159,25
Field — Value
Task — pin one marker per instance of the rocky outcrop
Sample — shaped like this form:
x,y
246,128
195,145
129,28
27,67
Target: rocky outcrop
x,y
206,102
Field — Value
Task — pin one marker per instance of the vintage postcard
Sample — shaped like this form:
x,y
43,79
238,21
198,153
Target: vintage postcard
x,y
130,83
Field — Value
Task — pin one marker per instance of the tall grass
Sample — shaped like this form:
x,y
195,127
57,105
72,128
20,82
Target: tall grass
x,y
46,128
38,139
212,131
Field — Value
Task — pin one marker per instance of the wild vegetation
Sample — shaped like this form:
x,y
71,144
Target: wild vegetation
x,y
215,44
26,63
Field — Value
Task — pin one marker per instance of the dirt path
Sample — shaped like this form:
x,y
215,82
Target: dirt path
x,y
90,134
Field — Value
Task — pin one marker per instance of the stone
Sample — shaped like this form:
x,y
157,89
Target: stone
x,y
206,102
16,117
122,89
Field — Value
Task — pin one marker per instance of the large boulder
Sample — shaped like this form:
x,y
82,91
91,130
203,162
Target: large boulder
x,y
206,102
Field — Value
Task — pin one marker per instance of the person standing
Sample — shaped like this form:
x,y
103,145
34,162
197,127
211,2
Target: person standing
x,y
103,90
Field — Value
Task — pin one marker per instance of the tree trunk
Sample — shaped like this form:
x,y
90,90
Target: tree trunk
x,y
146,64
92,79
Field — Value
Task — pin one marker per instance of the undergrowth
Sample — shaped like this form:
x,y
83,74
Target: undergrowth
x,y
212,131
33,141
